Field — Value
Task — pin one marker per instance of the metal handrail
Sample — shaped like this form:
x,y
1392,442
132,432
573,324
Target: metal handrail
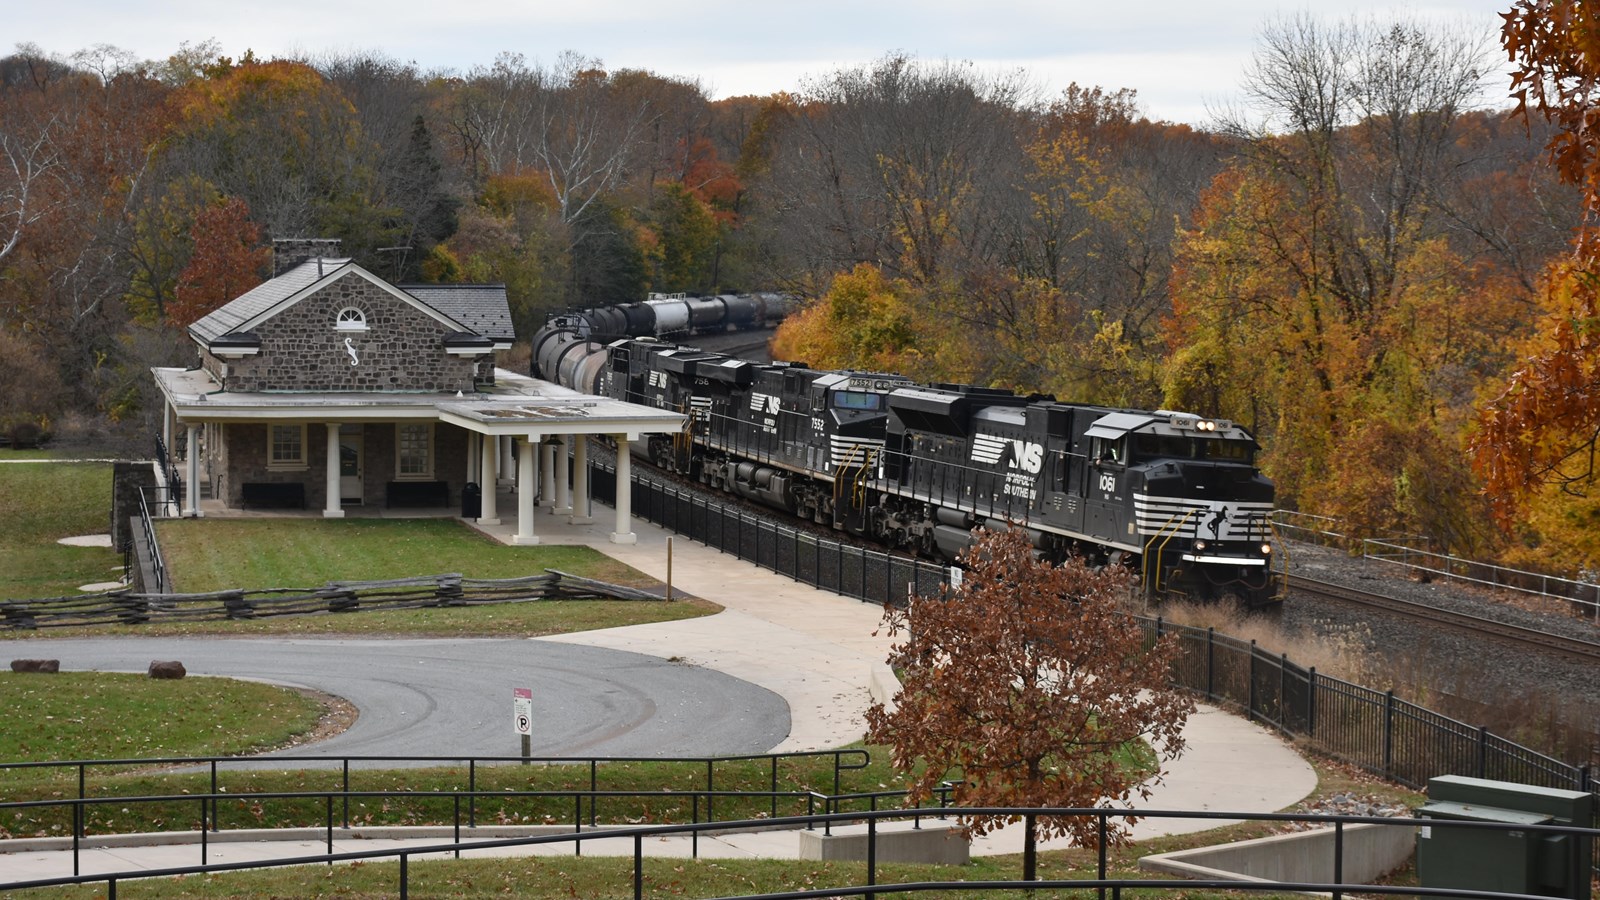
x,y
1583,593
1165,534
872,819
842,760
158,565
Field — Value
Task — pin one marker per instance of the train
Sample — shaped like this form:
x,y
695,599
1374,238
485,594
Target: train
x,y
1175,496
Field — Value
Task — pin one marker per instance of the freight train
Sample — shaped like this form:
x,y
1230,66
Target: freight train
x,y
1175,496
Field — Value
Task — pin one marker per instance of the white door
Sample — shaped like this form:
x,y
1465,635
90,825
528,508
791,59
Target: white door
x,y
350,468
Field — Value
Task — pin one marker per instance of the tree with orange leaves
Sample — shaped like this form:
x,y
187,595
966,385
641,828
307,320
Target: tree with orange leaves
x,y
227,261
1021,685
1543,430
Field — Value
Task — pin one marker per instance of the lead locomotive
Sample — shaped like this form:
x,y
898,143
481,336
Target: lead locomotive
x,y
1173,495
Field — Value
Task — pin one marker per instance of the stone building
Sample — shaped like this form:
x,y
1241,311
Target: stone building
x,y
326,387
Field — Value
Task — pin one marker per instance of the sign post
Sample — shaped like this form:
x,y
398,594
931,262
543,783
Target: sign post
x,y
522,719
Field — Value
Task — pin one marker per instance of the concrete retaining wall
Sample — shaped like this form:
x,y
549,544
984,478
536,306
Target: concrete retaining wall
x,y
1370,852
935,842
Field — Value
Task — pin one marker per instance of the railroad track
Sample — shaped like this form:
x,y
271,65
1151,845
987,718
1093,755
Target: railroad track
x,y
1572,648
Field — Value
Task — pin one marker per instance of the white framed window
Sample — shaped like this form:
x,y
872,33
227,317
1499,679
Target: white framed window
x,y
413,451
286,446
350,319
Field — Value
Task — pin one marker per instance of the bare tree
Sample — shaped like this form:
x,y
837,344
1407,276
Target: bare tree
x,y
899,164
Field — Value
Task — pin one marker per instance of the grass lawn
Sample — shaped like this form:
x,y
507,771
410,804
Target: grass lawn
x,y
219,554
101,715
40,503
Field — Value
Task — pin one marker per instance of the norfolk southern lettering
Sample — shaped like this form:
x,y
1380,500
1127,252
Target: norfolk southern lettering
x,y
1174,495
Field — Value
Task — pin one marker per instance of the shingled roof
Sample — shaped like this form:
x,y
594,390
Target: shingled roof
x,y
228,317
480,309
483,308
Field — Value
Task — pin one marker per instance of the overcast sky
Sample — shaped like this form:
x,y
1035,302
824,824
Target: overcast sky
x,y
1182,56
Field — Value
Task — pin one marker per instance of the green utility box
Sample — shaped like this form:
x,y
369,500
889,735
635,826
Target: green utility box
x,y
1510,859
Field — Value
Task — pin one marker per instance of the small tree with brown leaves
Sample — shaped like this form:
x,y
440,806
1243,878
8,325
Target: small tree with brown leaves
x,y
1021,685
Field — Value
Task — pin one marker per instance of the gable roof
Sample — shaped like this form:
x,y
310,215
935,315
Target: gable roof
x,y
232,315
484,305
482,308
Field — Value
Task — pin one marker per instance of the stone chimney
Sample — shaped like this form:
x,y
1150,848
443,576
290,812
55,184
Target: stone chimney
x,y
290,252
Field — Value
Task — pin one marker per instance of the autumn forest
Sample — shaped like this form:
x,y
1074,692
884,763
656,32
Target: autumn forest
x,y
1380,263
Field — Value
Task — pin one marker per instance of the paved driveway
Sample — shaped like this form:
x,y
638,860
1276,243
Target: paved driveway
x,y
454,697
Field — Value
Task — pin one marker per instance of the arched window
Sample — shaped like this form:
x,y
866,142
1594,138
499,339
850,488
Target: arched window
x,y
350,319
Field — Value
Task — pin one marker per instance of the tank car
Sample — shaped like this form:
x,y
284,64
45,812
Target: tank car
x,y
1174,495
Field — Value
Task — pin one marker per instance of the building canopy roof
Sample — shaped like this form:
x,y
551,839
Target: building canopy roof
x,y
514,405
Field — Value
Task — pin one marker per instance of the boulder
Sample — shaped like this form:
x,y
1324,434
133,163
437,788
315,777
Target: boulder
x,y
167,669
36,665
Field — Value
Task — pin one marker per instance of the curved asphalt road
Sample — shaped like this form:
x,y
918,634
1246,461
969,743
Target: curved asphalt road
x,y
444,697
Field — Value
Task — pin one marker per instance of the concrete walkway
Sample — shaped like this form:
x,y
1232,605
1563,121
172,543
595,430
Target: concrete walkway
x,y
816,650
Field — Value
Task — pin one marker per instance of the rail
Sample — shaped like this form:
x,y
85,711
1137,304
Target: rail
x,y
1402,552
169,470
800,767
158,566
869,885
1584,596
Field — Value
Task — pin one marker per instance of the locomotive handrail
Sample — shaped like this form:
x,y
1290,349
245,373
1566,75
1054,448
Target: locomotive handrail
x,y
1165,537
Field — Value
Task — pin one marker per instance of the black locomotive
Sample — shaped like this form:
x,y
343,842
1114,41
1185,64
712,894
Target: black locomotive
x,y
1174,495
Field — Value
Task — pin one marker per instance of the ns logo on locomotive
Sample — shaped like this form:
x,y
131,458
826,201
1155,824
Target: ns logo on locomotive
x,y
1174,495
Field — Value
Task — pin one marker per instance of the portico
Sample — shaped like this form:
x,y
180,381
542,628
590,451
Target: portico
x,y
546,427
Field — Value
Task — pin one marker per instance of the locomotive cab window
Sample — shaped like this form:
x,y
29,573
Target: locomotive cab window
x,y
1163,446
1227,451
1110,451
861,400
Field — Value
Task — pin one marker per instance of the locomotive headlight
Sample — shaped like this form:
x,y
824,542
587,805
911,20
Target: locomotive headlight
x,y
1266,549
1199,544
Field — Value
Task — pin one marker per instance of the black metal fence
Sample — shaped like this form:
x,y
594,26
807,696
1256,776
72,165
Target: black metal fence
x,y
1374,730
870,575
633,879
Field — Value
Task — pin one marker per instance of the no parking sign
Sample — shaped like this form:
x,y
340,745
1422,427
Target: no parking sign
x,y
522,714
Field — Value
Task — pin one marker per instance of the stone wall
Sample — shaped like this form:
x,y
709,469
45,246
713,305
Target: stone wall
x,y
247,454
246,448
290,252
127,480
402,348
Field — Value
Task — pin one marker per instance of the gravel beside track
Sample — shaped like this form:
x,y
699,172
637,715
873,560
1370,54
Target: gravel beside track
x,y
1474,678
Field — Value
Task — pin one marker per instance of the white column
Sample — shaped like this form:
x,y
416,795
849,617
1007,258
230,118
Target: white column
x,y
472,457
166,430
547,472
580,482
332,509
488,465
624,533
191,499
526,479
563,481
508,459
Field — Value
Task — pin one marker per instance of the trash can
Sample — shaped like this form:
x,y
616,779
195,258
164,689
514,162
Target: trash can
x,y
471,501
